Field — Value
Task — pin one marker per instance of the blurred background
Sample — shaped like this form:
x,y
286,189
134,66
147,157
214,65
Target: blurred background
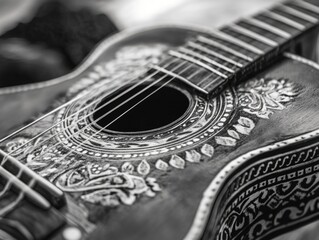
x,y
43,39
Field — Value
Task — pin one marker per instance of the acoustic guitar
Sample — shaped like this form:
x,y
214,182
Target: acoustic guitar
x,y
170,133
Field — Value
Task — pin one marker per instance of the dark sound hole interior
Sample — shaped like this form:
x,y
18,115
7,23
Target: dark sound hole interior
x,y
158,110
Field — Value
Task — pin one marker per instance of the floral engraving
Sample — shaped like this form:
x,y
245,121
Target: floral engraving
x,y
261,97
106,185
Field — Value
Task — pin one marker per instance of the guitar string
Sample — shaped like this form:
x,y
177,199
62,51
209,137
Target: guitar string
x,y
77,113
118,117
195,51
102,129
85,108
139,102
101,117
20,196
107,113
41,155
52,136
6,187
90,104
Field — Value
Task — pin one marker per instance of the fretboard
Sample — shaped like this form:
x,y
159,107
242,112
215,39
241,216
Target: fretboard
x,y
240,49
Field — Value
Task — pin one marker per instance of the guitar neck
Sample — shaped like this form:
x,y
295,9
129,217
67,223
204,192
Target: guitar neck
x,y
240,49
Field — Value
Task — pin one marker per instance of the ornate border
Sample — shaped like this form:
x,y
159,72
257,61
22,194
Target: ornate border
x,y
211,193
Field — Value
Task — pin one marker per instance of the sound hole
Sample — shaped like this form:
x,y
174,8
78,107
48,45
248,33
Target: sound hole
x,y
158,110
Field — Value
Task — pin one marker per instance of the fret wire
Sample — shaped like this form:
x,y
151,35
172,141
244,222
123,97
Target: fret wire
x,y
47,114
52,189
193,60
284,20
121,104
209,75
225,48
298,14
187,79
307,6
253,35
279,24
206,78
268,27
39,135
190,52
237,42
81,144
48,129
207,85
32,194
213,53
191,69
197,49
195,73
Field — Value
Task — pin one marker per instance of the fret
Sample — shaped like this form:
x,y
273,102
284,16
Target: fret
x,y
239,49
298,14
296,7
186,72
237,42
247,39
265,33
224,48
195,61
254,35
285,20
280,25
178,76
206,59
218,62
198,74
306,5
205,80
213,53
210,85
33,195
172,64
268,27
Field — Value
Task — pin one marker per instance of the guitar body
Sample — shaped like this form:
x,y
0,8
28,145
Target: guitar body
x,y
240,165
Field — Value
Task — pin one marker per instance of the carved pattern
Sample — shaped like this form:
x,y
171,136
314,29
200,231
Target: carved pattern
x,y
129,63
259,97
270,195
106,185
132,159
214,197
